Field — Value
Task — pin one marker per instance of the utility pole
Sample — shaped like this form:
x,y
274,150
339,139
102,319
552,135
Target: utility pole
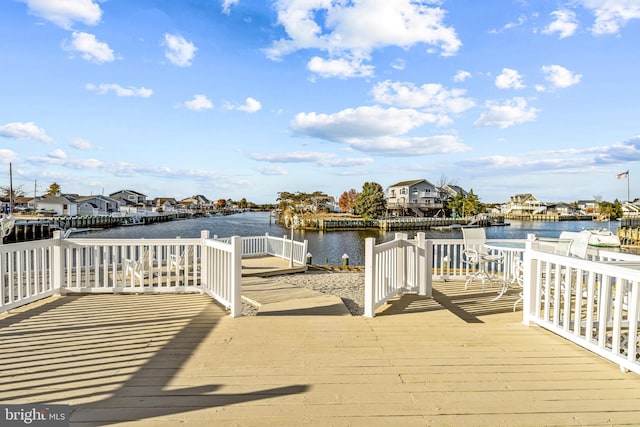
x,y
10,189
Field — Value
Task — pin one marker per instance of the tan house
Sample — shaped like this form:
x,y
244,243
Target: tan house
x,y
524,204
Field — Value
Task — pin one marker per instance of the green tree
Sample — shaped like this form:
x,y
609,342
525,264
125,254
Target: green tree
x,y
612,210
465,205
370,202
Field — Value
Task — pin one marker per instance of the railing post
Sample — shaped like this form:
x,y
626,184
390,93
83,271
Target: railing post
x,y
369,276
529,275
426,265
57,270
305,250
236,276
204,259
401,260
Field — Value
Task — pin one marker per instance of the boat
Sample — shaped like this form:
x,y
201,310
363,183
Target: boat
x,y
599,237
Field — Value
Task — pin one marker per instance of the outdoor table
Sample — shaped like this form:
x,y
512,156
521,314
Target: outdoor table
x,y
512,254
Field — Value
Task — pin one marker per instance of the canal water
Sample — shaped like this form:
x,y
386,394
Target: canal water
x,y
325,247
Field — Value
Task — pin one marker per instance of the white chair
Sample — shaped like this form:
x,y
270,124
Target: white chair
x,y
179,262
137,271
476,256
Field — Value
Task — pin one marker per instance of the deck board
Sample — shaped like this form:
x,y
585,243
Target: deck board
x,y
163,360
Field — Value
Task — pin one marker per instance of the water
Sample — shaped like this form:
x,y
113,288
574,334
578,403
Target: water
x,y
325,247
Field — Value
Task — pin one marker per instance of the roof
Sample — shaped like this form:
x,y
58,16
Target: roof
x,y
56,200
410,183
128,191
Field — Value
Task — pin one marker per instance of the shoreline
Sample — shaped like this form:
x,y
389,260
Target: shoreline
x,y
347,284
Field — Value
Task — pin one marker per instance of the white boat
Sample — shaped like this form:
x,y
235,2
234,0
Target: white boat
x,y
600,237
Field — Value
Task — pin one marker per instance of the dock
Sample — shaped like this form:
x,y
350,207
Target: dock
x,y
165,360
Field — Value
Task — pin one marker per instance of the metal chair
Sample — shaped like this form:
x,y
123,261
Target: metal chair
x,y
476,257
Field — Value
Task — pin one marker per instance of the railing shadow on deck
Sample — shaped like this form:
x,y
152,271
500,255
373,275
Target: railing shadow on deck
x,y
468,305
115,355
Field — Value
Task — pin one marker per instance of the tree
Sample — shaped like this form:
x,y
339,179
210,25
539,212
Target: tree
x,y
347,201
612,210
465,205
5,192
370,203
221,203
53,190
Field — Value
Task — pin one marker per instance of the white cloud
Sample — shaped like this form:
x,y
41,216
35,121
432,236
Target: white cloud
x,y
360,122
565,24
24,131
376,130
7,156
89,47
352,30
431,97
461,76
271,170
611,15
65,13
319,158
226,5
83,144
399,64
57,154
178,50
509,79
560,77
250,105
509,113
198,103
105,88
510,25
341,68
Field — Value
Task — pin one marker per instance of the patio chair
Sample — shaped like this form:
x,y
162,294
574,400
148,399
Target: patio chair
x,y
179,262
136,271
476,256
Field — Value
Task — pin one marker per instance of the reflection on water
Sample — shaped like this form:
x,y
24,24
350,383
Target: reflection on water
x,y
325,247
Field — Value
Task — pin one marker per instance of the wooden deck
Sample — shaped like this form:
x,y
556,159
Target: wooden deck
x,y
167,360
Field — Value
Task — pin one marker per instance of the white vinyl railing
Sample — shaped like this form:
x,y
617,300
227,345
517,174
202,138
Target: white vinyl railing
x,y
26,274
395,267
593,303
275,246
33,270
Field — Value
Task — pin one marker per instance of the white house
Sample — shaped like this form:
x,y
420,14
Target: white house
x,y
418,197
130,197
61,205
96,205
524,204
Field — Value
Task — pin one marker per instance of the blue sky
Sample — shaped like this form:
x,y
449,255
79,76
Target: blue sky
x,y
239,98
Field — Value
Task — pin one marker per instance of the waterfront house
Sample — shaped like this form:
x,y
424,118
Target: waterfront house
x,y
524,204
588,206
630,209
451,190
415,198
96,205
165,204
563,209
61,205
197,201
129,197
